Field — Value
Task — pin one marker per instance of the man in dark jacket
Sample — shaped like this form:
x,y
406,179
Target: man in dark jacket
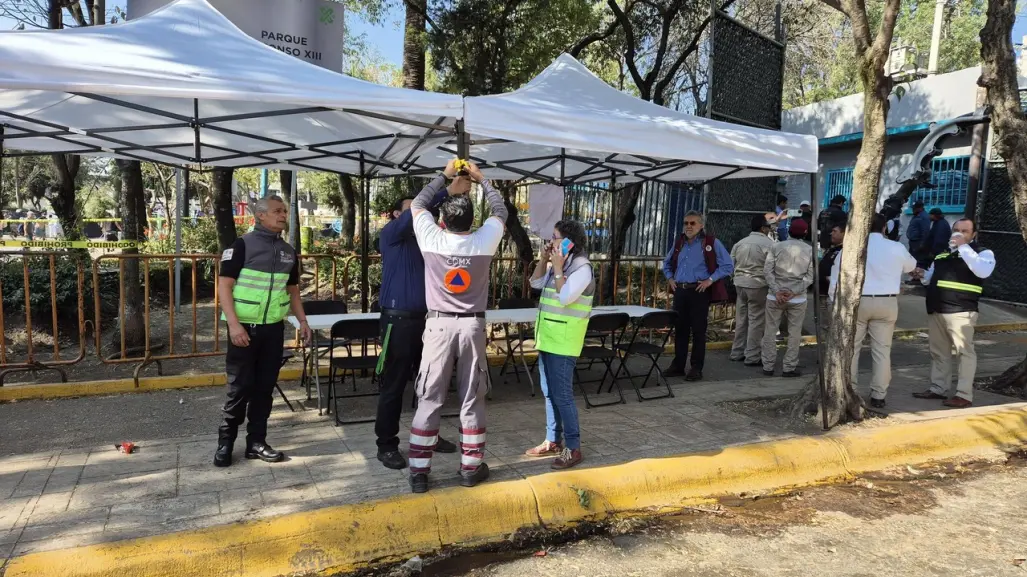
x,y
830,217
402,324
937,240
916,232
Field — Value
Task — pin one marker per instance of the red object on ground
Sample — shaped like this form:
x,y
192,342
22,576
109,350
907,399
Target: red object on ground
x,y
540,553
126,447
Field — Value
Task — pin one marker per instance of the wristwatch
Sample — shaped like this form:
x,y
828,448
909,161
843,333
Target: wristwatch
x,y
558,276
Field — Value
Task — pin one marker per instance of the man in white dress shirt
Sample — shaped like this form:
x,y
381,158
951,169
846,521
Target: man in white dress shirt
x,y
955,283
887,261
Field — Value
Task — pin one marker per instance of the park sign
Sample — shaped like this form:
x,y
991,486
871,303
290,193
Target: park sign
x,y
310,30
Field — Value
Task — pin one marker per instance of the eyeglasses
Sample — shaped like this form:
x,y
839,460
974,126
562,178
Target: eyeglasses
x,y
692,223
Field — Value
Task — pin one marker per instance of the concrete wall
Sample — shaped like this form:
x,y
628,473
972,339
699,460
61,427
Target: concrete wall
x,y
940,97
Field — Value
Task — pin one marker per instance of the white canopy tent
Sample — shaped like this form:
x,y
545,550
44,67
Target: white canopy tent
x,y
184,86
568,126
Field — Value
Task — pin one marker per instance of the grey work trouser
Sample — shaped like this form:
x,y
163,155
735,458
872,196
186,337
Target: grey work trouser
x,y
794,313
749,320
449,340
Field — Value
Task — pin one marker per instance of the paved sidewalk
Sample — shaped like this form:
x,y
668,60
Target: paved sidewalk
x,y
70,497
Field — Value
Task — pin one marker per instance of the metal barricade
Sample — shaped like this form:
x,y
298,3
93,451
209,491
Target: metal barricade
x,y
127,354
31,362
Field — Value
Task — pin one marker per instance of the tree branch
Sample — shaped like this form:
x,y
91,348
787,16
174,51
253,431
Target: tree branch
x,y
861,35
591,39
882,44
629,48
661,52
662,85
836,4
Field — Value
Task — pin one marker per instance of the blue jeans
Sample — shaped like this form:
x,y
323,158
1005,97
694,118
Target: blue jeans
x,y
556,373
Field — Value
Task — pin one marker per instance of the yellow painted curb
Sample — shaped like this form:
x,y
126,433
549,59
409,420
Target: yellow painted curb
x,y
354,537
146,384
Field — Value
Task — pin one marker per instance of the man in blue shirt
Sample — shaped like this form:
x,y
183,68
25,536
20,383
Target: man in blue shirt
x,y
402,324
692,281
917,231
782,217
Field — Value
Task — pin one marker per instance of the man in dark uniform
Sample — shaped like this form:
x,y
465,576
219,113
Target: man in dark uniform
x,y
258,284
402,322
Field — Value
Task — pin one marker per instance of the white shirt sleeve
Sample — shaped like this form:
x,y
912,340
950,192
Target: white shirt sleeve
x,y
834,277
908,262
540,283
427,231
927,276
490,235
575,284
981,264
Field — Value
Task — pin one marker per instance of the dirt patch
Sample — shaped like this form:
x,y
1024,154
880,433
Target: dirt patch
x,y
776,412
988,384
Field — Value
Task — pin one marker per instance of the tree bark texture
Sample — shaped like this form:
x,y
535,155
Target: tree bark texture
x,y
285,177
223,213
624,202
414,44
1009,127
519,236
348,192
62,200
133,221
842,402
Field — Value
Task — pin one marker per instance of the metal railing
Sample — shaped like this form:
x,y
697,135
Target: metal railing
x,y
639,281
31,363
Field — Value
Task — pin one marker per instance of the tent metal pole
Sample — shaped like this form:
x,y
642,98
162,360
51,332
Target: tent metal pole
x,y
180,185
365,258
816,305
613,234
462,149
563,165
197,151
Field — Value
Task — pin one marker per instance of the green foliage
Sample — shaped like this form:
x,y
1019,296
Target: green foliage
x,y
64,283
821,63
489,47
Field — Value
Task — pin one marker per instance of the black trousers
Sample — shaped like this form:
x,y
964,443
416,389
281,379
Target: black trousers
x,y
693,310
402,339
252,375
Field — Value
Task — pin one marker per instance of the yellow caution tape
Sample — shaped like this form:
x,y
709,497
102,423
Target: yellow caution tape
x,y
67,244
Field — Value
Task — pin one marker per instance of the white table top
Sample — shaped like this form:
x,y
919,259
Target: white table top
x,y
526,316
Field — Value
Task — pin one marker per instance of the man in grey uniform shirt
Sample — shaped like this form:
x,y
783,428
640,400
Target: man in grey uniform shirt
x,y
456,279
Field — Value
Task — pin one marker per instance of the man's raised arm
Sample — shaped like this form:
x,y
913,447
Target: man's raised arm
x,y
496,204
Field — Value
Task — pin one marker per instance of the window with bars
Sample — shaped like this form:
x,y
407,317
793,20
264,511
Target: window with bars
x,y
839,181
950,177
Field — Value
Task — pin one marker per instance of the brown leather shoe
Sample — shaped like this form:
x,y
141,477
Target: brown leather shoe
x,y
567,459
546,449
958,403
929,394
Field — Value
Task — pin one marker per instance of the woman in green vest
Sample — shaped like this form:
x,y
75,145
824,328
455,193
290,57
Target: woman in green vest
x,y
564,276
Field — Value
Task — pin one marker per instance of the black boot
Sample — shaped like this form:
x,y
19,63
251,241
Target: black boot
x,y
392,459
419,483
444,446
472,478
264,452
223,456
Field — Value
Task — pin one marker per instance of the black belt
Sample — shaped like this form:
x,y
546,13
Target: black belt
x,y
688,285
442,315
402,314
878,296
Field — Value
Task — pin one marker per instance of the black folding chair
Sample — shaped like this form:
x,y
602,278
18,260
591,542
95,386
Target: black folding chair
x,y
318,308
362,335
286,357
602,328
519,335
656,321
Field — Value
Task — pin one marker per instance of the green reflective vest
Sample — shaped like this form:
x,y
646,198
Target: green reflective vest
x,y
259,293
560,329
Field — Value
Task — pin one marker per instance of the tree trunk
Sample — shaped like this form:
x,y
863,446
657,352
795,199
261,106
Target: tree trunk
x,y
62,200
348,193
414,44
623,206
999,78
223,214
133,219
292,233
842,402
518,235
